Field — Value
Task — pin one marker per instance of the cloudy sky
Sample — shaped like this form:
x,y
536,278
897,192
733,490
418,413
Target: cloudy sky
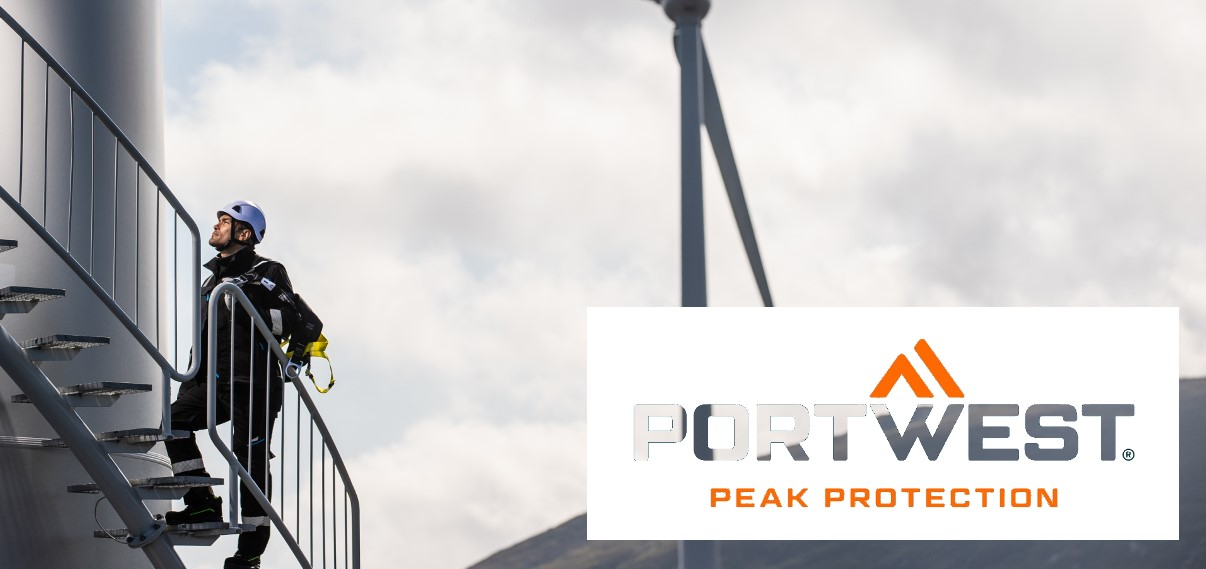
x,y
452,183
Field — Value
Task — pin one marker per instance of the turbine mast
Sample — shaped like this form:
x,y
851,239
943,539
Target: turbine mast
x,y
687,16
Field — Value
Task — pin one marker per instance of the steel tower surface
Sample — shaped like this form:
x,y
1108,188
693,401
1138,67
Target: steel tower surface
x,y
46,145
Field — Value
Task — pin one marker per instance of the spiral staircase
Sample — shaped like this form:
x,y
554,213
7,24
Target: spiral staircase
x,y
87,201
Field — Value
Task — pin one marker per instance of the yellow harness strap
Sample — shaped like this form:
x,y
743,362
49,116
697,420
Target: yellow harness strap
x,y
316,349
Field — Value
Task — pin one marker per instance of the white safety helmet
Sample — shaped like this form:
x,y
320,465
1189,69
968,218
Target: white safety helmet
x,y
248,213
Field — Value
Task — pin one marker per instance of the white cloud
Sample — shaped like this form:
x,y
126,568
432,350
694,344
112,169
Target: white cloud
x,y
428,493
452,183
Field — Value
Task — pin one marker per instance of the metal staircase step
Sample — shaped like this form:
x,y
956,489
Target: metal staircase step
x,y
28,293
60,346
165,488
22,299
6,244
95,394
187,534
64,342
21,442
106,388
129,440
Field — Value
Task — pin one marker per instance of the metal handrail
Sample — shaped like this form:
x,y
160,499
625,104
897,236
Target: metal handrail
x,y
103,296
77,90
233,291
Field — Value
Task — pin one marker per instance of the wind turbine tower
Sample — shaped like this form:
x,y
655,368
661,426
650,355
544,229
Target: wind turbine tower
x,y
700,106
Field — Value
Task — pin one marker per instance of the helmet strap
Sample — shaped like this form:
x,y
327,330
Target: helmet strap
x,y
232,241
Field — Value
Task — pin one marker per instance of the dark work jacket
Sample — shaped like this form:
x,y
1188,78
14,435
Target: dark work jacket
x,y
267,285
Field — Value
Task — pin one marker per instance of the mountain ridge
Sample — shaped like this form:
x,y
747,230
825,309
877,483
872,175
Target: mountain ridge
x,y
565,546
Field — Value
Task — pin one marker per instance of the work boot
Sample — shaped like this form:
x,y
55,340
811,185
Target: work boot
x,y
204,510
241,562
251,545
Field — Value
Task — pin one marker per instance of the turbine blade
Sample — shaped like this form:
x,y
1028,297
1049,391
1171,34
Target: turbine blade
x,y
719,134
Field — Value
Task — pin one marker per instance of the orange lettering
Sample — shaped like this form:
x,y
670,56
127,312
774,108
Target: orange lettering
x,y
859,496
719,495
745,497
834,495
955,502
770,497
793,497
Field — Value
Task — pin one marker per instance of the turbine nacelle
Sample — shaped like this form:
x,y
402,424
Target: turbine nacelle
x,y
686,10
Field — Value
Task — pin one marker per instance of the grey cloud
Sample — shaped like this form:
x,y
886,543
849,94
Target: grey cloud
x,y
1028,46
1025,220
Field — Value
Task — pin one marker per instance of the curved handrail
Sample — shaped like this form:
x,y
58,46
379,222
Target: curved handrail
x,y
161,186
103,296
233,290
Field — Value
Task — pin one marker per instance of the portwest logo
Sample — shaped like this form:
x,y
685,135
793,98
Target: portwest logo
x,y
902,368
883,423
1036,423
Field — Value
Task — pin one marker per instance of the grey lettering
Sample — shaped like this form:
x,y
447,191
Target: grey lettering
x,y
917,430
840,414
792,439
741,432
977,432
642,436
1035,428
1109,427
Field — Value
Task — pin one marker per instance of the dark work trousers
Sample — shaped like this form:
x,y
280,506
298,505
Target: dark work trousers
x,y
253,421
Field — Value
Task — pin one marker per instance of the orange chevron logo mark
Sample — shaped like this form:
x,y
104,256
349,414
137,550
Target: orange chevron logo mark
x,y
902,367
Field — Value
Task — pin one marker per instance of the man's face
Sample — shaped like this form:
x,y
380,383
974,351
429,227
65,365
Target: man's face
x,y
222,231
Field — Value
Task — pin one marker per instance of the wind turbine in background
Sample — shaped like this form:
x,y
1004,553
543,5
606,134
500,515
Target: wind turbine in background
x,y
701,106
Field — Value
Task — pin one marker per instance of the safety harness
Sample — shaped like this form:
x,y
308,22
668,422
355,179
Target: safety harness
x,y
315,349
306,331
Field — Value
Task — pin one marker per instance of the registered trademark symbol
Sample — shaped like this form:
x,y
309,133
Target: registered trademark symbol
x,y
1128,454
